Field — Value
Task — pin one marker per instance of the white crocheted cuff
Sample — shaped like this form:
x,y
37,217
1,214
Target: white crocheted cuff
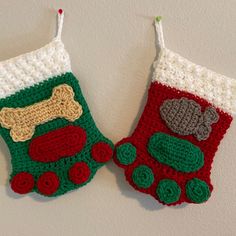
x,y
175,71
32,68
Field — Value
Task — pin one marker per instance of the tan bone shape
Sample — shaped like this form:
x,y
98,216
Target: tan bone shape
x,y
22,121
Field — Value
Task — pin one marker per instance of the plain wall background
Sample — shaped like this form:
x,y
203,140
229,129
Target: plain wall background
x,y
111,44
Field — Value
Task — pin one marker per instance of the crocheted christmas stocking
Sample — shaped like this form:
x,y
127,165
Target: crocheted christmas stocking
x,y
170,153
46,123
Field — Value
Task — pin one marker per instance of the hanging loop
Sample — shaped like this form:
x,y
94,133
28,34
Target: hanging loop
x,y
60,18
159,32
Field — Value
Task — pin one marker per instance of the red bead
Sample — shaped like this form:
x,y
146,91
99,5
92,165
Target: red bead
x,y
101,152
48,183
22,183
60,11
79,173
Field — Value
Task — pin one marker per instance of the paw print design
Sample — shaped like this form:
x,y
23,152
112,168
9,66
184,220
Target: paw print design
x,y
55,144
170,153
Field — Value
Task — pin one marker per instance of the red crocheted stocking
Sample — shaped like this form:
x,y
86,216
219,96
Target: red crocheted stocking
x,y
170,153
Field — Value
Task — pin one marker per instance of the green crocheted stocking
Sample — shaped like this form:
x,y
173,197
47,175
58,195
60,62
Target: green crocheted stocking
x,y
54,143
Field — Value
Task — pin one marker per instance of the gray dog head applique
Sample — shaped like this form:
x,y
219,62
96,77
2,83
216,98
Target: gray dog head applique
x,y
183,116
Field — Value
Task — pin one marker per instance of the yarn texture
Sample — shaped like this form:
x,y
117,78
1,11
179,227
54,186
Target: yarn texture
x,y
188,111
54,142
197,190
184,117
126,154
168,191
177,153
22,121
175,71
143,176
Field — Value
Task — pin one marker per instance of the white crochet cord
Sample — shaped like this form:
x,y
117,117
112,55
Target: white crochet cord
x,y
60,19
175,71
34,67
159,33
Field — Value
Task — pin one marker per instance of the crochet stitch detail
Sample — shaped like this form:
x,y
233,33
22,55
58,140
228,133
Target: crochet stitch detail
x,y
197,190
54,142
54,137
22,121
79,173
126,153
60,143
184,117
194,102
175,71
32,68
180,154
168,191
151,123
48,183
143,176
101,152
22,183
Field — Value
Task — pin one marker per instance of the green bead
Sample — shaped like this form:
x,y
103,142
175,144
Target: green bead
x,y
126,153
158,18
178,153
168,191
143,176
197,190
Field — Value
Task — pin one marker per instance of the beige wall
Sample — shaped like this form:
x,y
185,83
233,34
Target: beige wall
x,y
111,44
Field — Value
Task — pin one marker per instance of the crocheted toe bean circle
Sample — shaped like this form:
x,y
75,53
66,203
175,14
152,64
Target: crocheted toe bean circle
x,y
168,191
79,173
101,152
143,176
126,153
197,190
22,183
48,183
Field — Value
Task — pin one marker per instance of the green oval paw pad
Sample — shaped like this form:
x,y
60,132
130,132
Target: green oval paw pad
x,y
175,152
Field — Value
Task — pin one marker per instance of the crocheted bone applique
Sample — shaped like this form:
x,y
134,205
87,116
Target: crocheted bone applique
x,y
183,116
22,121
